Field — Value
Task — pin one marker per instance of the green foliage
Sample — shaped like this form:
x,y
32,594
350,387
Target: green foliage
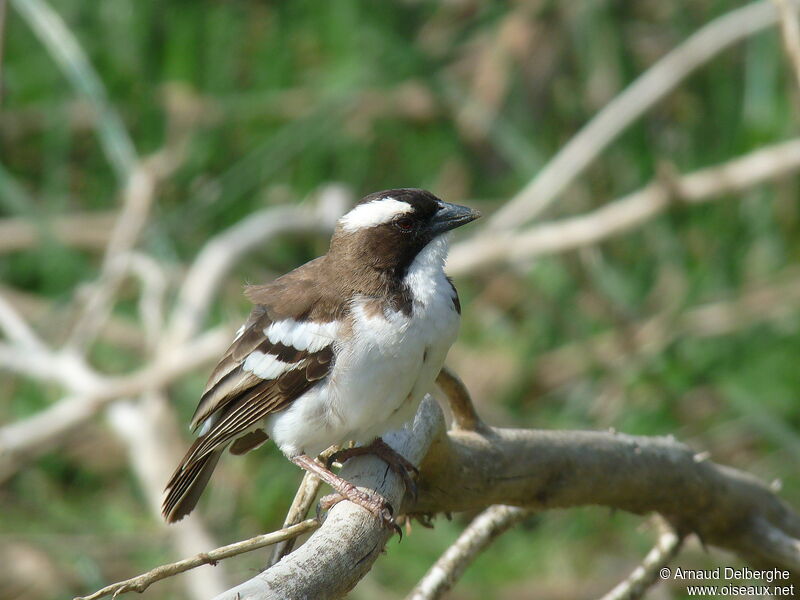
x,y
283,97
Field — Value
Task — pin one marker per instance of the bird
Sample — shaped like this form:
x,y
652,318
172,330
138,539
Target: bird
x,y
340,350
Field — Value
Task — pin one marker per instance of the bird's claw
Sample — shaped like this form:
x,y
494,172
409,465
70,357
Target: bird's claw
x,y
374,503
404,468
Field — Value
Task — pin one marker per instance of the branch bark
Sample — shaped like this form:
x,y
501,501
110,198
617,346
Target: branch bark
x,y
86,231
537,470
544,470
342,551
220,253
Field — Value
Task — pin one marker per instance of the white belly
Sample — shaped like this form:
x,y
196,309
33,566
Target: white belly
x,y
380,374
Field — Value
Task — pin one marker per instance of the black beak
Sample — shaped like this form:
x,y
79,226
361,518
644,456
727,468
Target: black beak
x,y
451,216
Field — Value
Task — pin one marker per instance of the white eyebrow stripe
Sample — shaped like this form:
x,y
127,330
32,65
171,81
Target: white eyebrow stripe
x,y
375,212
267,366
308,336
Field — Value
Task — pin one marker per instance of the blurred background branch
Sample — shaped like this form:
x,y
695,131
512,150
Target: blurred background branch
x,y
649,88
155,155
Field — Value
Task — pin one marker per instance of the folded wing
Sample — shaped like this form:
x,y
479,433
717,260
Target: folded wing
x,y
271,362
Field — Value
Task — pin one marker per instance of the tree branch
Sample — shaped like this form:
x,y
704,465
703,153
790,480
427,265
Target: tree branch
x,y
149,431
646,574
483,530
342,551
622,215
790,32
543,470
141,582
536,470
220,253
89,231
465,417
29,438
648,89
303,499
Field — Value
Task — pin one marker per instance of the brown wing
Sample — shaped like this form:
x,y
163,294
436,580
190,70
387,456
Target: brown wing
x,y
296,297
239,394
240,400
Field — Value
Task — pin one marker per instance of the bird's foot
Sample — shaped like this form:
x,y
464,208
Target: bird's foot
x,y
374,502
396,461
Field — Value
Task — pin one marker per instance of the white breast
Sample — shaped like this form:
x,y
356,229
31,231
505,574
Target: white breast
x,y
380,373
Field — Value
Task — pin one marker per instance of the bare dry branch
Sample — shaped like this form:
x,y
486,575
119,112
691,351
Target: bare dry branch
x,y
137,200
342,551
153,280
558,469
465,417
90,231
24,440
221,252
614,349
303,499
634,101
17,329
490,524
646,574
141,582
790,32
148,429
120,331
628,212
537,470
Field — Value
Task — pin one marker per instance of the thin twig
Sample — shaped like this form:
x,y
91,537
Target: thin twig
x,y
221,252
141,582
119,331
465,417
759,166
150,433
17,329
635,100
484,529
647,573
790,32
81,230
303,499
137,200
151,297
351,539
648,337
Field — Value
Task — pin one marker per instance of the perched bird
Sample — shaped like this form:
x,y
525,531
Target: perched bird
x,y
341,349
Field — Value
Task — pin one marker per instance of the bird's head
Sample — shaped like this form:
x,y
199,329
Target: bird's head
x,y
388,229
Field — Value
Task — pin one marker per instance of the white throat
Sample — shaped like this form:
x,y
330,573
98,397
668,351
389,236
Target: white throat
x,y
426,273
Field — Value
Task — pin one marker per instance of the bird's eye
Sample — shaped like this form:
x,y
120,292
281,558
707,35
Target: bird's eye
x,y
404,224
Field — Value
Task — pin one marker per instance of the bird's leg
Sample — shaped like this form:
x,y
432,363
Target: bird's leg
x,y
396,461
374,503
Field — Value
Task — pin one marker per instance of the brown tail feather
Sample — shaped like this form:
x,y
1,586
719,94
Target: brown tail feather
x,y
186,485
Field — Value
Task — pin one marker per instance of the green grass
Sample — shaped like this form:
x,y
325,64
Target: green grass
x,y
292,95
